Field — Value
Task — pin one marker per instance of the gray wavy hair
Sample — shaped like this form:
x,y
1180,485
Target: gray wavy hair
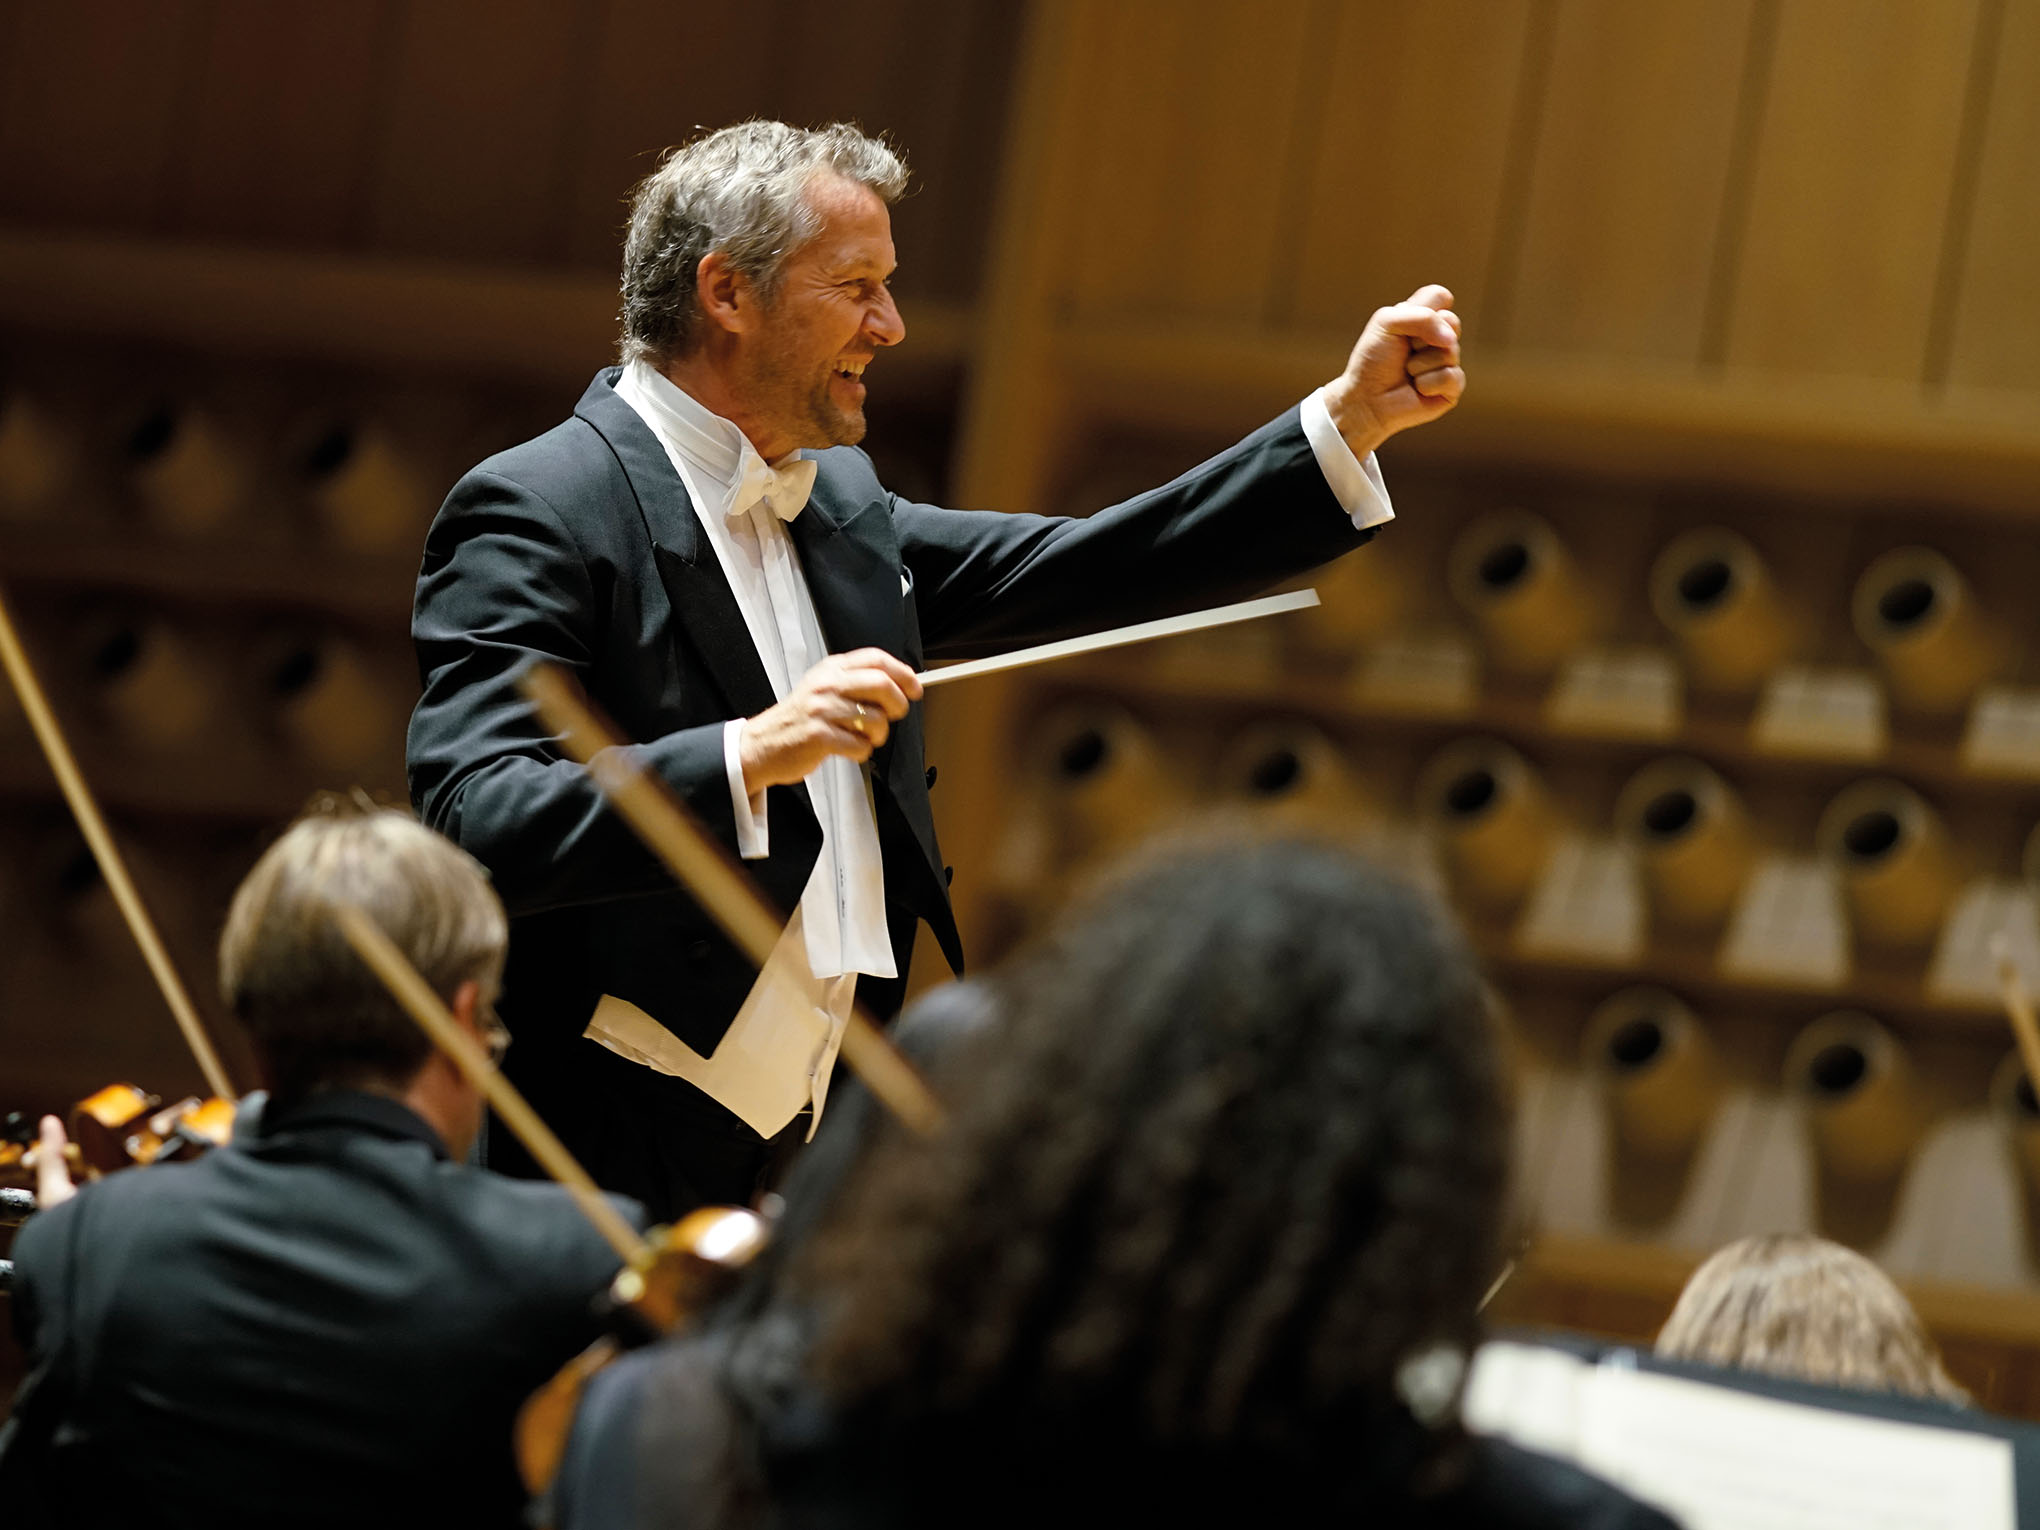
x,y
741,190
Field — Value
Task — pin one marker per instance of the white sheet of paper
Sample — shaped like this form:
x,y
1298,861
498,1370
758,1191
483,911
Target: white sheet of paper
x,y
1720,1459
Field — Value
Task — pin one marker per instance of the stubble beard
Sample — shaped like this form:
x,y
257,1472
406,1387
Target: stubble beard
x,y
814,418
834,425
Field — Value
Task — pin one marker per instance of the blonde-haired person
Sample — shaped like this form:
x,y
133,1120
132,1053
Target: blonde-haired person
x,y
333,1320
1798,1306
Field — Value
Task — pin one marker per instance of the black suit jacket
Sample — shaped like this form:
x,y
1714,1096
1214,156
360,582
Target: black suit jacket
x,y
583,548
326,1323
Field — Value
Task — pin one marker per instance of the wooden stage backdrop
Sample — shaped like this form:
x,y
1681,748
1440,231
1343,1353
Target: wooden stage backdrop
x,y
1697,668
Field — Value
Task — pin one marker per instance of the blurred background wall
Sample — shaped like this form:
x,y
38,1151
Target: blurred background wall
x,y
1695,669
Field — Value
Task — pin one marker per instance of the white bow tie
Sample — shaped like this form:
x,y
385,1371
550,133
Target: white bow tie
x,y
785,488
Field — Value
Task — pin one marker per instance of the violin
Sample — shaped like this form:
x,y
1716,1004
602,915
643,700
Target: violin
x,y
121,1126
692,1265
17,1140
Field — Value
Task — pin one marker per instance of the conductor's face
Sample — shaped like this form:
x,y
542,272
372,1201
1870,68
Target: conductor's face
x,y
801,370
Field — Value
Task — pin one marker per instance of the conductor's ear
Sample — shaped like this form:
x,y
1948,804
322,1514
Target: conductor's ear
x,y
726,294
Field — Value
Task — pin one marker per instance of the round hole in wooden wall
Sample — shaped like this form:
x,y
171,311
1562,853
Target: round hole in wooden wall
x,y
1471,793
1636,1043
1706,583
1670,814
1907,603
116,653
296,669
1838,1069
1277,771
1084,755
152,434
1872,835
1504,566
78,875
329,453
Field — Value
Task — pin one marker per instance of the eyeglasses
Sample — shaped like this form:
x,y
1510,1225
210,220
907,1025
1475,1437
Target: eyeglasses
x,y
495,1035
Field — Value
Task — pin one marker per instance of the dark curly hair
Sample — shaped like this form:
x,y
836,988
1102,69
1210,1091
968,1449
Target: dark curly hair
x,y
1235,1154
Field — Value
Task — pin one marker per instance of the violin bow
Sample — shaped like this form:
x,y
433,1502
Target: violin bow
x,y
111,865
705,869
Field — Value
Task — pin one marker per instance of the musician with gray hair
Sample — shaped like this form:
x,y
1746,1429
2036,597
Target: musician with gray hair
x,y
704,547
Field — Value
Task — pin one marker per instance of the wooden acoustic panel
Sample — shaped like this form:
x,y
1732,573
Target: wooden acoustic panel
x,y
1997,302
1629,187
1837,266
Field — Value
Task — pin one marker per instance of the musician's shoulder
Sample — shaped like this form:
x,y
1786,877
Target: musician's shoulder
x,y
531,1220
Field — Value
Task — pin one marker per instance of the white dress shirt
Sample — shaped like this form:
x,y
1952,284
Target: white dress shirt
x,y
778,1054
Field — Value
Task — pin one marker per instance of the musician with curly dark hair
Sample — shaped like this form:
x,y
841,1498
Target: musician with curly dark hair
x,y
1206,1237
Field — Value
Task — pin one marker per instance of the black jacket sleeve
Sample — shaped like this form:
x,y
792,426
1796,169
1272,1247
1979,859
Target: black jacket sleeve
x,y
1255,514
504,585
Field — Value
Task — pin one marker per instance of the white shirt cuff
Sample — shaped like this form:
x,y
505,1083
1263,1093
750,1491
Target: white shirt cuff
x,y
754,836
1358,485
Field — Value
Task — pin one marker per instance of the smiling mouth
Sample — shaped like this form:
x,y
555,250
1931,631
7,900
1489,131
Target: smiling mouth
x,y
852,371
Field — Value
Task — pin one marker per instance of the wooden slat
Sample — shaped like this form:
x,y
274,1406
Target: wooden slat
x,y
282,127
1189,108
1118,78
931,74
1849,200
1626,195
660,72
1406,173
1996,342
474,150
89,117
905,69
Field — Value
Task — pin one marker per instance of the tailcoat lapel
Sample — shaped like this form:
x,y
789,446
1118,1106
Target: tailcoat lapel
x,y
854,581
695,585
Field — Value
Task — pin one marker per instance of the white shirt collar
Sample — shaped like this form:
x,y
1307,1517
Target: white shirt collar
x,y
712,445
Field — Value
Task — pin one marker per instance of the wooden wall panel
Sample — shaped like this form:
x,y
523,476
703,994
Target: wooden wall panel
x,y
923,71
476,129
661,71
931,74
91,110
1997,304
1624,207
283,123
1406,172
1850,195
1181,209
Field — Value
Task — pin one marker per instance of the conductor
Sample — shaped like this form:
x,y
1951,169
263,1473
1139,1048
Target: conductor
x,y
704,547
